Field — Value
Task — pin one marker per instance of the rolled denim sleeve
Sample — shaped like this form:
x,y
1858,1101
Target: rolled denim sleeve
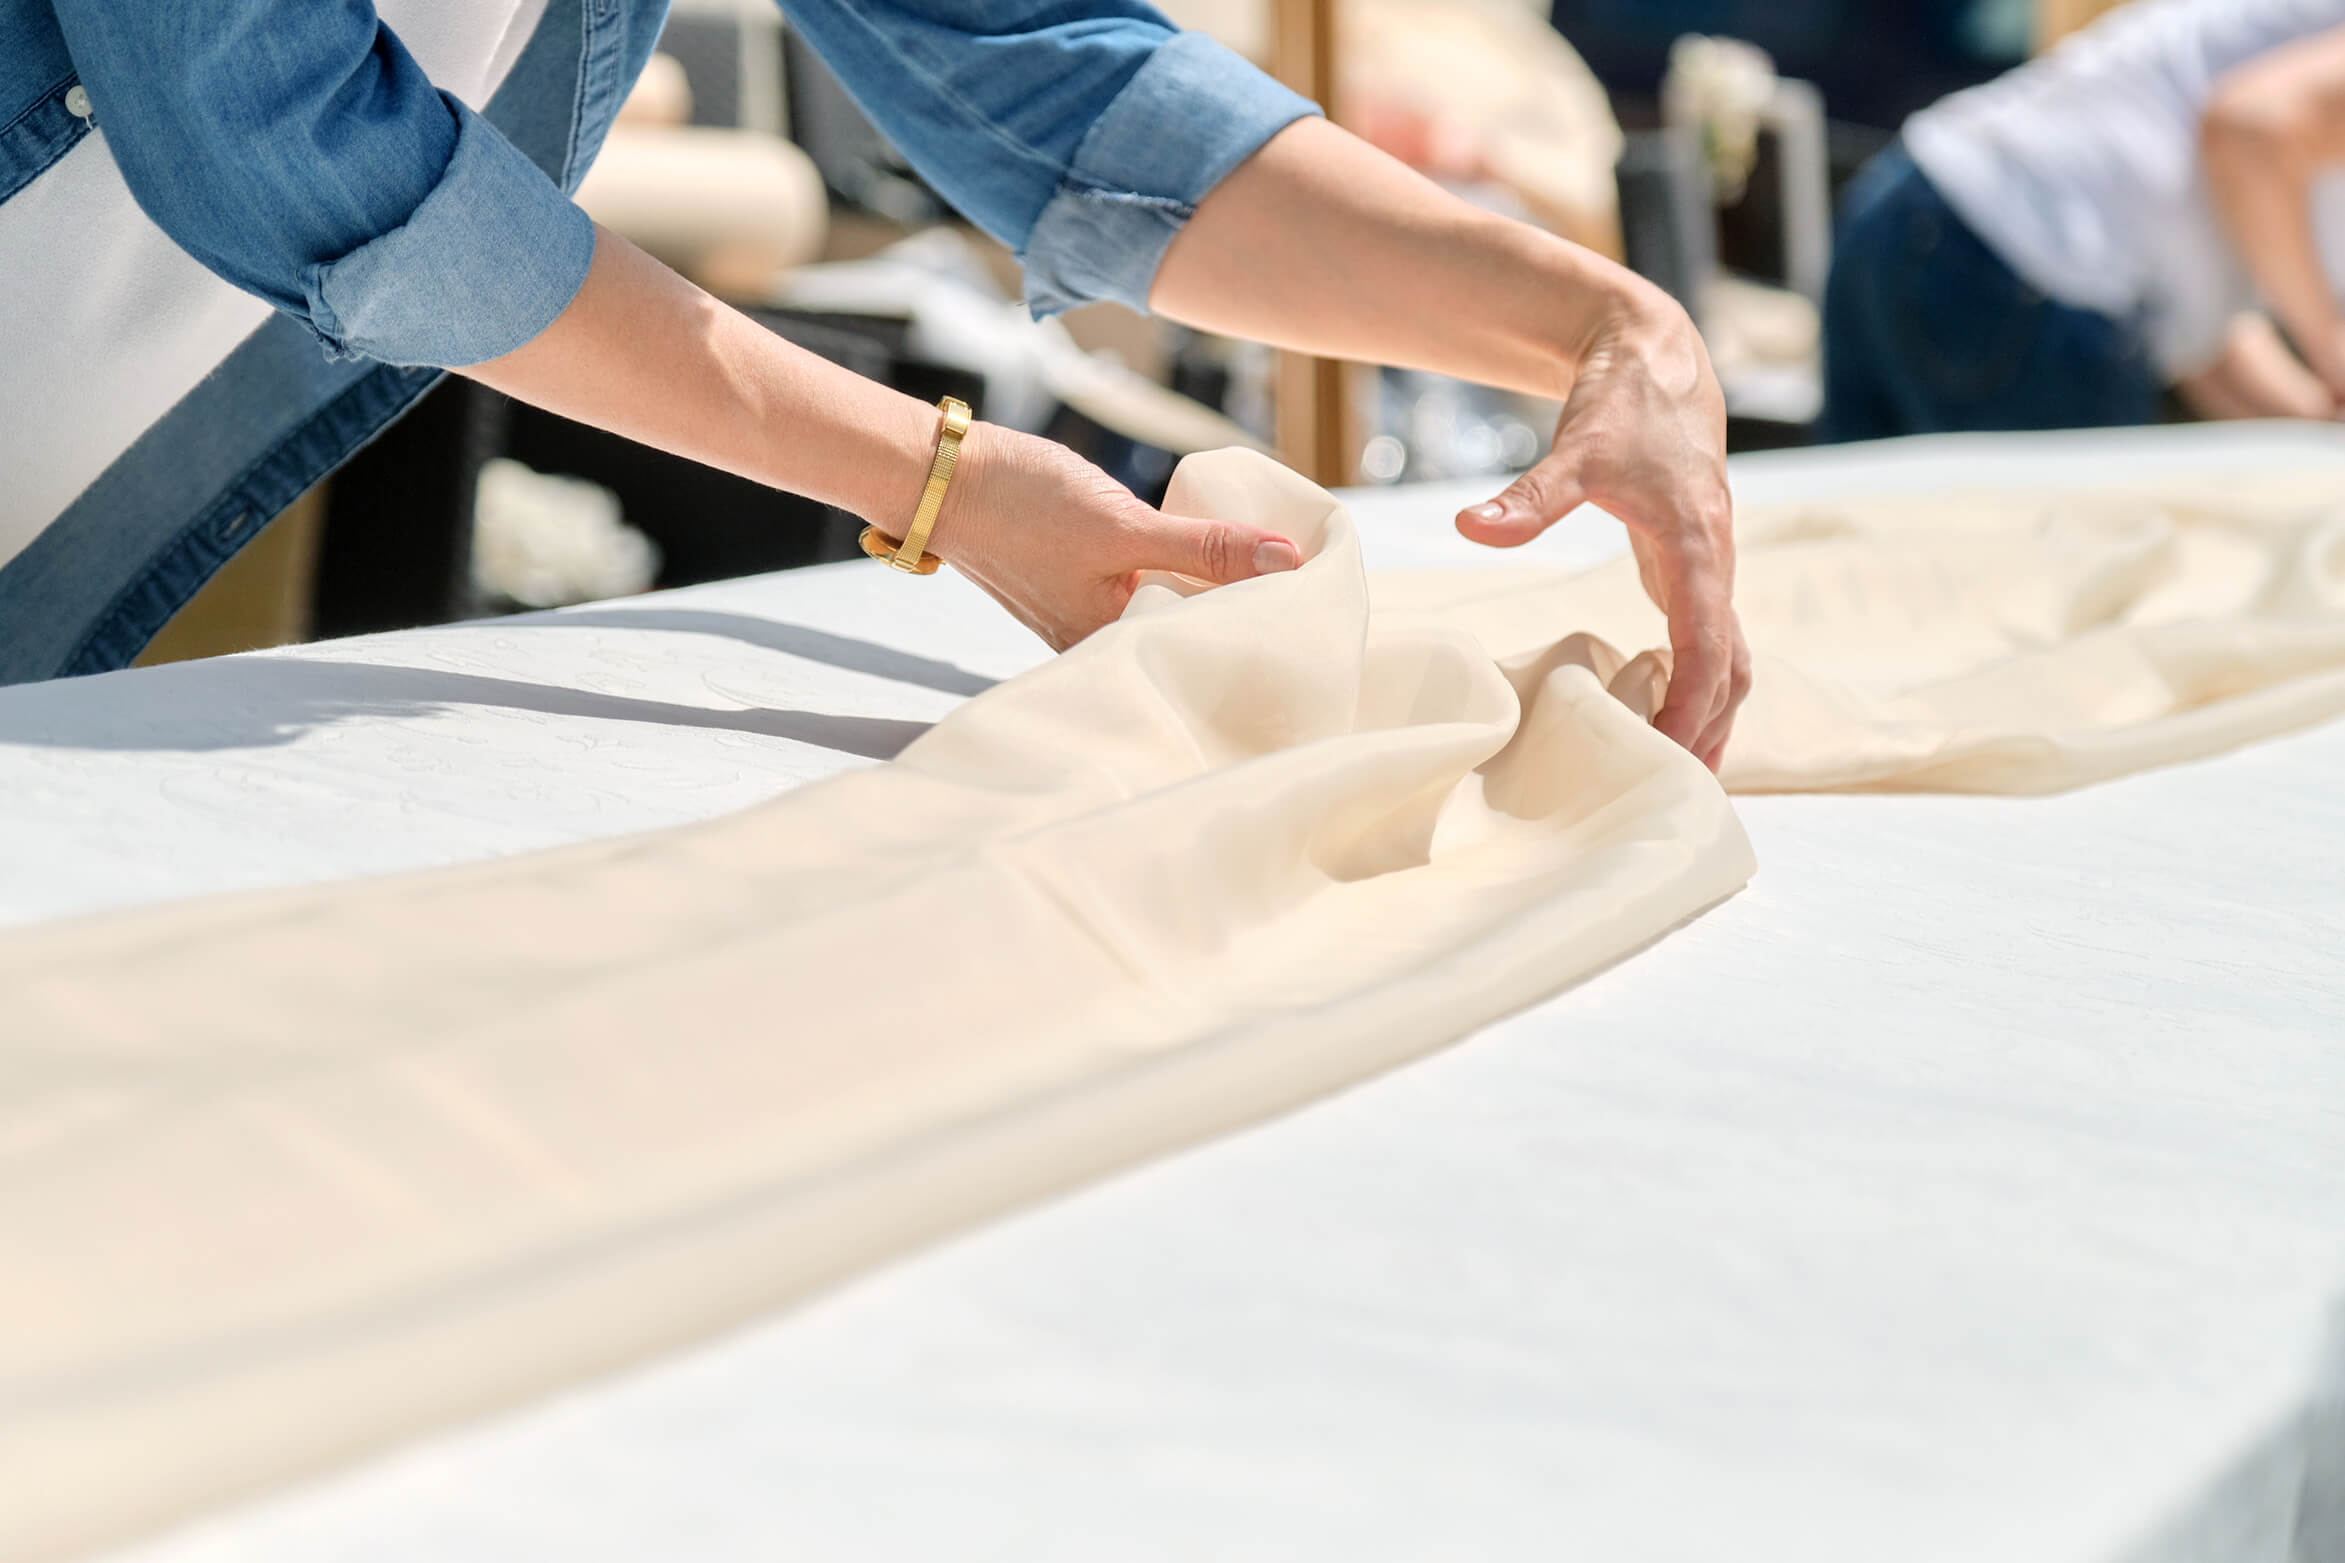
x,y
299,152
1082,136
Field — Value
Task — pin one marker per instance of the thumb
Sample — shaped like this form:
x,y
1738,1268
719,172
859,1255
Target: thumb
x,y
1217,551
1531,504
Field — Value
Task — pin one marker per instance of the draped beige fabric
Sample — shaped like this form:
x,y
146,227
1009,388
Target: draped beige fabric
x,y
285,1176
1982,643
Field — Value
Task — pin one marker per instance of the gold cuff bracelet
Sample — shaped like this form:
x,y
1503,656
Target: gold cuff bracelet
x,y
911,554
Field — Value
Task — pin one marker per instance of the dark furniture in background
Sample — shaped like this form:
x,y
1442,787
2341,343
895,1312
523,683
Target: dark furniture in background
x,y
1876,61
396,548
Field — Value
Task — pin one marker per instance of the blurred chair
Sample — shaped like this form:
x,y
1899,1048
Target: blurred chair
x,y
730,51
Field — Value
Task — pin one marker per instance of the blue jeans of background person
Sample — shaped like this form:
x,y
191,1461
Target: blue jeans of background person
x,y
1927,330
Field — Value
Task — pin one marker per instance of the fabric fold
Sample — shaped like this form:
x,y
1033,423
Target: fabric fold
x,y
287,1176
1976,643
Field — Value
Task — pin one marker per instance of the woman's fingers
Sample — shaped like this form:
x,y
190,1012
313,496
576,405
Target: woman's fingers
x,y
1530,505
1712,744
1686,563
1688,571
1218,552
1701,643
1059,543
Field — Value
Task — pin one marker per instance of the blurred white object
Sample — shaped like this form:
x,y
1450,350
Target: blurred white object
x,y
1727,93
1796,115
662,94
940,288
1722,85
1718,98
1765,344
1431,428
728,208
1750,322
547,542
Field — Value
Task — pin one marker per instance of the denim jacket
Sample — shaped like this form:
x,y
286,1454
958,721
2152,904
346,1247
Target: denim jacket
x,y
300,152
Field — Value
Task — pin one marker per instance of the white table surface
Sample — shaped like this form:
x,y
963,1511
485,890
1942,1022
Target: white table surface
x,y
1971,1187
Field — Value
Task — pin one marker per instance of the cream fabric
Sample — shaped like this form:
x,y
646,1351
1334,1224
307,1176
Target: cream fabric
x,y
729,208
286,1175
1978,644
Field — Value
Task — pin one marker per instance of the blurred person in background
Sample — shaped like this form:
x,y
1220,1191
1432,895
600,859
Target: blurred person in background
x,y
394,181
2056,248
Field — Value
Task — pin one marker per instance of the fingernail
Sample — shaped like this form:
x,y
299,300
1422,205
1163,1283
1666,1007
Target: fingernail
x,y
1488,510
1272,555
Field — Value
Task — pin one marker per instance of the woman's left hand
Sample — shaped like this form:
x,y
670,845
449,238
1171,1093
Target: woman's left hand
x,y
1643,436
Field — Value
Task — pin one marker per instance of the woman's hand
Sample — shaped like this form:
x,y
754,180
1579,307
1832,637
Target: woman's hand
x,y
1643,435
2271,127
2256,376
1061,544
1321,243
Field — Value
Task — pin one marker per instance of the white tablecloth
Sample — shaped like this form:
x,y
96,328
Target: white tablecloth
x,y
1971,1187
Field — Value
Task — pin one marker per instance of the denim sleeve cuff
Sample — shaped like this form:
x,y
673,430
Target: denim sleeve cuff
x,y
1193,113
483,264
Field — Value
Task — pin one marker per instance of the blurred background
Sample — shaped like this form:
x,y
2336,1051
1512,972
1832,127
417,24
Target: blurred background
x,y
1703,142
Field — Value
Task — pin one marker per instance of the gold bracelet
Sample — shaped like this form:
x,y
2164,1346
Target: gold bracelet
x,y
911,554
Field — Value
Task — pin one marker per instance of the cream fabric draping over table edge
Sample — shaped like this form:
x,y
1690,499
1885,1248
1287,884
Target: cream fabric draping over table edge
x,y
286,1175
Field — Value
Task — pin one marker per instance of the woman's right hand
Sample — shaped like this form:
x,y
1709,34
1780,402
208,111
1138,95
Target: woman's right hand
x,y
1058,542
1061,545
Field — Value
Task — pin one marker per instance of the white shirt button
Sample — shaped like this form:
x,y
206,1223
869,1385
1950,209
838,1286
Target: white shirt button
x,y
77,101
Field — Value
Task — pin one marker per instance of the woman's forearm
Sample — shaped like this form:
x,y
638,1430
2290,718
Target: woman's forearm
x,y
1323,244
2259,189
2269,128
643,353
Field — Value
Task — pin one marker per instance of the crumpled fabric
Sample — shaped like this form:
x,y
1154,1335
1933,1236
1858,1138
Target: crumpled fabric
x,y
1970,644
286,1176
